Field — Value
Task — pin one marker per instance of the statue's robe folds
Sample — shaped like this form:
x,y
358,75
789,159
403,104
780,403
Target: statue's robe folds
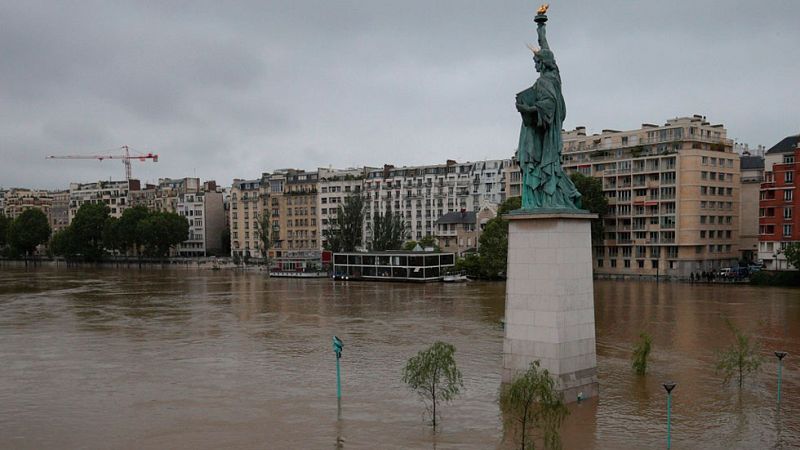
x,y
544,183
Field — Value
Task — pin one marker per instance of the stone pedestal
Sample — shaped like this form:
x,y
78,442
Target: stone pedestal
x,y
550,299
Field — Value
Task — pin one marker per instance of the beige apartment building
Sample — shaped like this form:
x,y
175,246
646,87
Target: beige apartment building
x,y
114,194
248,201
59,211
673,192
18,200
334,188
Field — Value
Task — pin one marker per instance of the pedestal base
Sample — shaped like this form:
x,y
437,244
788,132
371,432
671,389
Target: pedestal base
x,y
550,300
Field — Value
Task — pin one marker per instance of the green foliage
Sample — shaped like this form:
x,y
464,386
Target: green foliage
x,y
776,278
434,376
740,359
641,351
532,405
128,229
87,231
63,243
347,233
388,231
593,200
509,205
161,231
264,235
111,235
4,224
429,241
28,230
493,247
471,265
409,245
792,253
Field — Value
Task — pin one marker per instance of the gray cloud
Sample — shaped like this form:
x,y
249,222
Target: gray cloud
x,y
223,90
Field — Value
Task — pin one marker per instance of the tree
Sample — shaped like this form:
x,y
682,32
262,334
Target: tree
x,y
388,231
28,231
63,243
111,235
161,231
264,235
434,376
531,404
641,351
493,243
346,233
792,253
593,200
4,223
410,245
87,230
429,241
740,359
128,229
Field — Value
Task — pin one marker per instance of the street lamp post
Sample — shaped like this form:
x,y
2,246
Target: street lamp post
x,y
338,345
780,356
669,386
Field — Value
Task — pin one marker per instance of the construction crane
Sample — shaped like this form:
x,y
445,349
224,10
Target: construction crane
x,y
125,157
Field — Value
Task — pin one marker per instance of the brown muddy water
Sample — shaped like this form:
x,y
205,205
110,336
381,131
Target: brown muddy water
x,y
108,358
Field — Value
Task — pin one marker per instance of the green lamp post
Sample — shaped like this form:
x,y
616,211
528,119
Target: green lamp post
x,y
780,356
338,345
669,386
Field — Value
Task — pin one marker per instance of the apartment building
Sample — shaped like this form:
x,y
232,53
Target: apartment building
x,y
59,211
778,224
114,194
18,200
334,187
752,175
206,215
248,201
673,192
423,194
298,232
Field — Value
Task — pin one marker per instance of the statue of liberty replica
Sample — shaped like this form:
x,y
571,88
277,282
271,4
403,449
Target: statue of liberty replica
x,y
549,312
542,107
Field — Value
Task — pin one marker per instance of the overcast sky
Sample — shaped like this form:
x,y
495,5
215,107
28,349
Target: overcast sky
x,y
224,90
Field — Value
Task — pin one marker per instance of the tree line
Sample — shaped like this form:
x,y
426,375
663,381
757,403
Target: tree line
x,y
93,234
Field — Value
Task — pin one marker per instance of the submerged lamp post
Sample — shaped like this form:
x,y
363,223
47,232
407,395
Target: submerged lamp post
x,y
338,345
780,356
669,387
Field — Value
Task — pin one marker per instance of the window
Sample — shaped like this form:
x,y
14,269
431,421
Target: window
x,y
613,263
788,177
787,195
787,212
627,263
640,263
787,230
599,263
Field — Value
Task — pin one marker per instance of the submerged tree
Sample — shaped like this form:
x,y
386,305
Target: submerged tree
x,y
592,200
433,375
533,408
740,359
641,351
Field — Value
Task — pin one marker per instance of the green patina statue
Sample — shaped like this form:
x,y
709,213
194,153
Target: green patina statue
x,y
545,186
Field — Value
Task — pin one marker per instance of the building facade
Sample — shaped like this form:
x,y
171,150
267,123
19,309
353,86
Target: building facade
x,y
59,211
114,194
334,188
778,223
248,201
423,194
752,175
673,192
18,200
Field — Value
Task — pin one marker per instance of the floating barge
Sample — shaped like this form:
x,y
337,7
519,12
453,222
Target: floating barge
x,y
392,265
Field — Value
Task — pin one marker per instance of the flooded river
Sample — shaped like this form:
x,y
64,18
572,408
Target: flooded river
x,y
178,359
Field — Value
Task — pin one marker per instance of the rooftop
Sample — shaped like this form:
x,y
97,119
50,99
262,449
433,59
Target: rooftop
x,y
751,162
457,217
786,145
